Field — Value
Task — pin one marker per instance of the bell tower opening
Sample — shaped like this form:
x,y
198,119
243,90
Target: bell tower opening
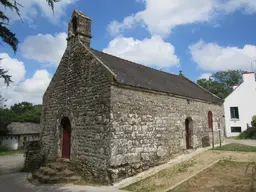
x,y
79,28
74,24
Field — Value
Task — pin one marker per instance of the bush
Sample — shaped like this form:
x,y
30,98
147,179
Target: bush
x,y
4,148
249,133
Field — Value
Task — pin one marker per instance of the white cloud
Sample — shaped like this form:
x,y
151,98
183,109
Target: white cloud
x,y
22,89
37,84
14,67
150,52
115,27
161,16
229,6
205,76
44,48
31,8
212,57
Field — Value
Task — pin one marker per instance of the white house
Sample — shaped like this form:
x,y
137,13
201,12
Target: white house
x,y
20,133
240,105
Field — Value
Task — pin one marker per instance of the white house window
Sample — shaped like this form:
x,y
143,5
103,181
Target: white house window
x,y
234,113
236,130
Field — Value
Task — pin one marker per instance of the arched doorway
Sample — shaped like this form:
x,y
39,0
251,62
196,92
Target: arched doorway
x,y
66,137
210,121
188,126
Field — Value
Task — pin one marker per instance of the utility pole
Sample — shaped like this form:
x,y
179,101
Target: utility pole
x,y
219,133
252,67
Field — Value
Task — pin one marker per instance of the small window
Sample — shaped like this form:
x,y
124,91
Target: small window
x,y
74,24
234,113
236,130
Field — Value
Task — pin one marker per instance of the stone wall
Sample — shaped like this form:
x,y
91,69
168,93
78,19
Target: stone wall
x,y
149,128
79,90
33,157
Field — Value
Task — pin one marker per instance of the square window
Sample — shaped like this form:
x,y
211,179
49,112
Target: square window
x,y
234,113
236,130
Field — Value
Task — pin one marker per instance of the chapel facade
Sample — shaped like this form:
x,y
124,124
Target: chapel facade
x,y
116,118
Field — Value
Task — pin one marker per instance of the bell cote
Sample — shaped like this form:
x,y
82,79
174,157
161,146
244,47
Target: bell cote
x,y
79,27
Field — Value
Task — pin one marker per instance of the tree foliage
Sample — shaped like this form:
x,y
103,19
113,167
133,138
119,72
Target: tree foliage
x,y
20,112
6,35
221,83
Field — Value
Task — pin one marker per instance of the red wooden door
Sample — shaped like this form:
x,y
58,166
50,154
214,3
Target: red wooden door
x,y
187,134
210,121
66,142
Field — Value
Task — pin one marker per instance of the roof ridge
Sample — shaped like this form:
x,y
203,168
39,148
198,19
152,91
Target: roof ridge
x,y
135,63
201,87
138,75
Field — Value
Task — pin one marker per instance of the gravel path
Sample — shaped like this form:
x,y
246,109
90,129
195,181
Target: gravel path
x,y
244,142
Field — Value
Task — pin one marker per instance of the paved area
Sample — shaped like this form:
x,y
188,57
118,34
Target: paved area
x,y
17,182
244,142
10,164
13,181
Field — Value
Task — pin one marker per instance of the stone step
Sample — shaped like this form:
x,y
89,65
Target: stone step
x,y
47,171
65,173
55,179
56,173
40,177
63,160
74,179
58,166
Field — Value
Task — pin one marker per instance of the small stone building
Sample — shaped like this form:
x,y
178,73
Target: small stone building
x,y
19,134
115,118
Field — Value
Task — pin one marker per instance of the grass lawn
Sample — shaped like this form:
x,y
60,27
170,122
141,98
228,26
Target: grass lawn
x,y
236,147
11,152
224,176
160,180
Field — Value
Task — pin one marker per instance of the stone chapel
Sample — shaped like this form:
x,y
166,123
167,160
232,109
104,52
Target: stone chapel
x,y
116,118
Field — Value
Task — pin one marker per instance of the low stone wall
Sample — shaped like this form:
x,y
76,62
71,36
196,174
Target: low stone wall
x,y
33,157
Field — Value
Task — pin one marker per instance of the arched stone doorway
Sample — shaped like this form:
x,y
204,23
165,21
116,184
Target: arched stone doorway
x,y
66,137
188,127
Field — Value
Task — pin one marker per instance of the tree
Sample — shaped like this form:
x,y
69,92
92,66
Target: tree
x,y
7,36
26,112
22,107
20,112
4,117
221,83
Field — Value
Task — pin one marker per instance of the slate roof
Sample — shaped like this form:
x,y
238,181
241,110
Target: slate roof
x,y
16,128
133,74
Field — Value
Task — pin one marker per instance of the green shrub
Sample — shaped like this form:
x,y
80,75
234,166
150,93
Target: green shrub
x,y
4,148
249,133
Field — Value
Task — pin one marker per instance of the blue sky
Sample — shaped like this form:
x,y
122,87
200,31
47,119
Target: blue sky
x,y
198,37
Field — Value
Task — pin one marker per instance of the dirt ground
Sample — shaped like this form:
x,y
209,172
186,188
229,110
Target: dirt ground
x,y
171,176
224,176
